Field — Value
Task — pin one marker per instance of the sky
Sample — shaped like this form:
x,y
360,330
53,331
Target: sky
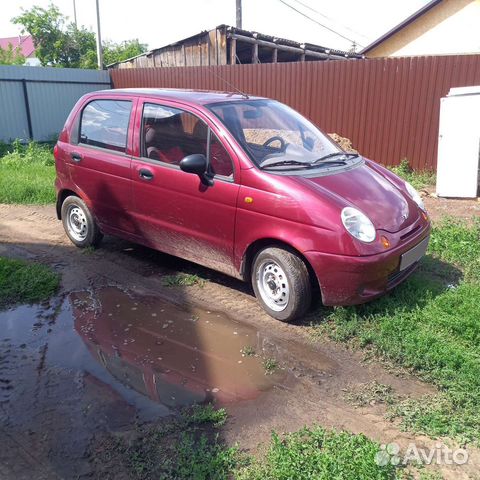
x,y
160,22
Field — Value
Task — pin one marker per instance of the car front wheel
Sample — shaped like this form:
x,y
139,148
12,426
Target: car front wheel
x,y
281,283
79,224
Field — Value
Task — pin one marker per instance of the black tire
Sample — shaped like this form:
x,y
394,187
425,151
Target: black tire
x,y
91,236
299,296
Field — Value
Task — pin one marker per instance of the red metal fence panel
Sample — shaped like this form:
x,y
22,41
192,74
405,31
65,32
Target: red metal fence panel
x,y
388,107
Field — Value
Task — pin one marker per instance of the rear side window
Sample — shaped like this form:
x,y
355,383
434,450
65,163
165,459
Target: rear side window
x,y
104,124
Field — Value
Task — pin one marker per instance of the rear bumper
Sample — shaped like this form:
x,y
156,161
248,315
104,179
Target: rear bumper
x,y
346,280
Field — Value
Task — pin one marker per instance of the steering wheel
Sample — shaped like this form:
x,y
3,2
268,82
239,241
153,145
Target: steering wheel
x,y
273,139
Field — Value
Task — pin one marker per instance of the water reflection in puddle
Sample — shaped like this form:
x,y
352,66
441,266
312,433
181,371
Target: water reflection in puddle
x,y
173,356
149,352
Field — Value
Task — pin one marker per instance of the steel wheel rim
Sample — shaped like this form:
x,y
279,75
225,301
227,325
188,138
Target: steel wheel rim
x,y
77,223
273,285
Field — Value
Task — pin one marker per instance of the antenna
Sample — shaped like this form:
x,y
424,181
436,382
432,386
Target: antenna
x,y
243,94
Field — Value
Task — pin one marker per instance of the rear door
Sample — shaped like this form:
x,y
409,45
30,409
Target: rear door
x,y
174,212
99,160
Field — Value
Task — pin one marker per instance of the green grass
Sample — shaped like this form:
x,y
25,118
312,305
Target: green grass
x,y
320,454
190,446
201,414
27,173
429,325
182,279
418,179
22,282
183,447
248,351
269,365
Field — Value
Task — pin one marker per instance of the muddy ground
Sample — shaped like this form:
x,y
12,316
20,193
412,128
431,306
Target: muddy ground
x,y
118,347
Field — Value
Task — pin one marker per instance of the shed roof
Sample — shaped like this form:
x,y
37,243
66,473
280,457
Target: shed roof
x,y
247,33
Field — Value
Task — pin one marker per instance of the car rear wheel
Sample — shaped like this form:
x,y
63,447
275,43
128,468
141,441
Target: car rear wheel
x,y
79,224
281,283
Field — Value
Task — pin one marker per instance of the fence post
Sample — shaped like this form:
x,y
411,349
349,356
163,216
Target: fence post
x,y
27,108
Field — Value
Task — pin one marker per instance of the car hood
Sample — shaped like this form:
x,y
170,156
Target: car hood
x,y
362,187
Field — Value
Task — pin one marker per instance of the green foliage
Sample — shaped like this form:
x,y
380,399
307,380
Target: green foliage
x,y
457,243
370,393
182,280
269,365
27,173
117,52
248,351
11,56
60,43
200,414
186,447
418,179
22,282
429,325
318,454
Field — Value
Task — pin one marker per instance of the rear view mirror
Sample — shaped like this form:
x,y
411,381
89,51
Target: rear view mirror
x,y
197,164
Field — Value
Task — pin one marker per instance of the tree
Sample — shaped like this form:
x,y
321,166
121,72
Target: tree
x,y
62,44
45,27
117,52
11,56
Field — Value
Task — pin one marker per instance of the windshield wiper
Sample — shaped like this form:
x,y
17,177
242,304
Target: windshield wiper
x,y
335,154
282,163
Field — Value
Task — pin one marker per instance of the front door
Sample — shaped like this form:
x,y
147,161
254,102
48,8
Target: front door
x,y
174,212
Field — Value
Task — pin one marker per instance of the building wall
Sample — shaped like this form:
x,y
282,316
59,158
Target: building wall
x,y
209,48
451,27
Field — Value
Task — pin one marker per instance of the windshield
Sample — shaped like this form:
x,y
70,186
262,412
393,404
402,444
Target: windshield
x,y
275,135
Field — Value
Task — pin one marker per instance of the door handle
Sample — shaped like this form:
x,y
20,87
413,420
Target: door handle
x,y
76,157
145,174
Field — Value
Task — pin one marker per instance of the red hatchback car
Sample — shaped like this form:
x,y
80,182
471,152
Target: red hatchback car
x,y
244,185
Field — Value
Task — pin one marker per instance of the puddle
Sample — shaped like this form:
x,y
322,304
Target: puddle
x,y
170,355
147,353
104,360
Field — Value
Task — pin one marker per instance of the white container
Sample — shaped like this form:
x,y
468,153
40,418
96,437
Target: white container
x,y
459,143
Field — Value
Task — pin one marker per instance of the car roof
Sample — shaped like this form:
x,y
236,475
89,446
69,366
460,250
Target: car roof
x,y
197,97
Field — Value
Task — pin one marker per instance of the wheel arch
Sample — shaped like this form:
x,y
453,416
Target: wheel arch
x,y
260,244
67,192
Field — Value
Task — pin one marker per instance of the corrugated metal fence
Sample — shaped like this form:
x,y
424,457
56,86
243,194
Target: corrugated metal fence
x,y
388,107
35,101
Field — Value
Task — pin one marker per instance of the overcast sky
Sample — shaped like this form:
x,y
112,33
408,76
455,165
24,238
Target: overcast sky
x,y
160,22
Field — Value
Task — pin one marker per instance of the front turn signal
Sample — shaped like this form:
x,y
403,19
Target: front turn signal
x,y
385,241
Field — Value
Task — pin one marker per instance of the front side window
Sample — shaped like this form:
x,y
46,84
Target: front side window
x,y
276,136
104,124
170,134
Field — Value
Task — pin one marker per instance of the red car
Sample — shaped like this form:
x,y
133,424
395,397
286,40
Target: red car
x,y
241,184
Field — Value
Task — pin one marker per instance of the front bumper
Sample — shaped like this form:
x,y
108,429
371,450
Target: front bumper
x,y
347,280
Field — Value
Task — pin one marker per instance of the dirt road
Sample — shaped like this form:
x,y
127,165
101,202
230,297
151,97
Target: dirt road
x,y
118,346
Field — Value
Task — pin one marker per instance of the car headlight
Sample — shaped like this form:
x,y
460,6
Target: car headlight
x,y
358,224
415,196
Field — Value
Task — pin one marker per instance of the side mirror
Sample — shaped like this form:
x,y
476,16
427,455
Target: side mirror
x,y
197,164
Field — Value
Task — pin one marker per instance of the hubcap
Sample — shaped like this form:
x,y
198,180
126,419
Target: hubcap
x,y
77,223
273,285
